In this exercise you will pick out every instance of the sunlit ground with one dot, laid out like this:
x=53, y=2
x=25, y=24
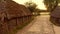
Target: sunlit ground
x=46, y=13
x=59, y=4
x=38, y=2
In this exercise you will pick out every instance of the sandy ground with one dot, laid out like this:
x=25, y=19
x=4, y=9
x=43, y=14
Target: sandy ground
x=40, y=25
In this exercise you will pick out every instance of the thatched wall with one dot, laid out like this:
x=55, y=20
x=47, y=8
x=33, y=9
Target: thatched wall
x=13, y=16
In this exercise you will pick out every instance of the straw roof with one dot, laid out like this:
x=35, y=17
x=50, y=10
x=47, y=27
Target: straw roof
x=11, y=9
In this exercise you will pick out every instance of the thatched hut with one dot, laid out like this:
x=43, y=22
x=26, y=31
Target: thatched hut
x=13, y=16
x=55, y=16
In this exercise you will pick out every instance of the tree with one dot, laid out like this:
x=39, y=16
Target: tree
x=50, y=4
x=58, y=1
x=31, y=6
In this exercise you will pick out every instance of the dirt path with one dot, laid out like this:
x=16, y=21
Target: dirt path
x=41, y=25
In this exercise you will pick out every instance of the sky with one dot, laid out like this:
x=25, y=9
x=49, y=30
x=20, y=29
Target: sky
x=39, y=3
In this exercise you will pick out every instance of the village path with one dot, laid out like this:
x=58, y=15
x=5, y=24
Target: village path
x=40, y=25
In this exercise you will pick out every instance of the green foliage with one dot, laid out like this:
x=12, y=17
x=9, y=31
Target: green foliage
x=59, y=1
x=50, y=4
x=31, y=6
